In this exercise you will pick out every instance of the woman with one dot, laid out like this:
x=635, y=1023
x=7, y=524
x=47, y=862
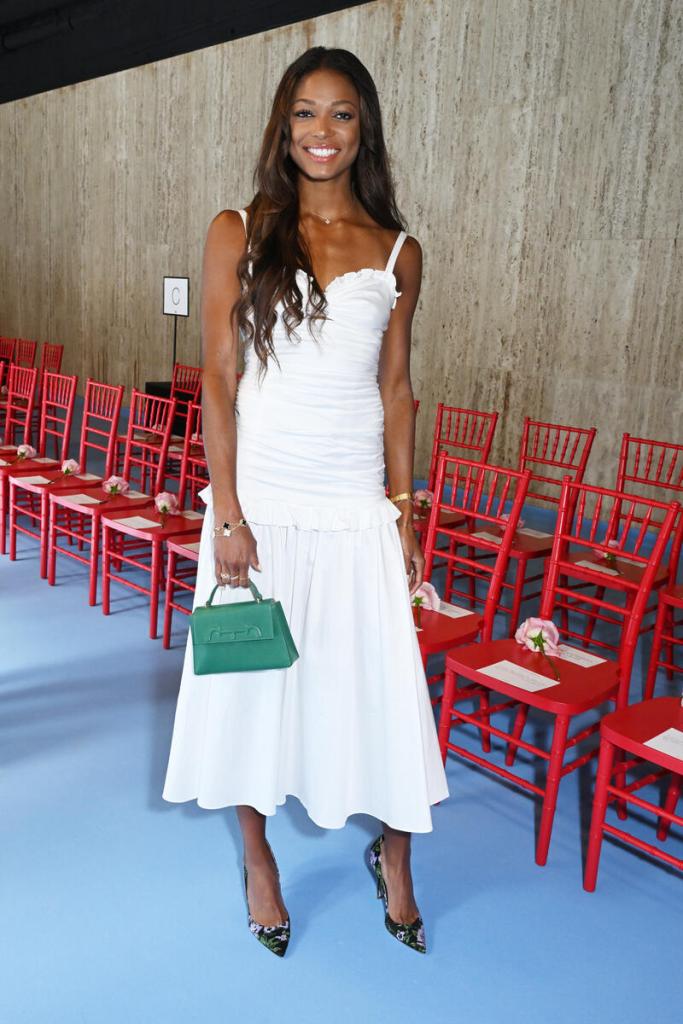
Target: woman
x=322, y=282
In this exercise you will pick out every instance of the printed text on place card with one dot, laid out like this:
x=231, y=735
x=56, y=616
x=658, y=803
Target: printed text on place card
x=598, y=567
x=138, y=522
x=84, y=499
x=526, y=531
x=453, y=610
x=577, y=657
x=508, y=672
x=668, y=742
x=485, y=535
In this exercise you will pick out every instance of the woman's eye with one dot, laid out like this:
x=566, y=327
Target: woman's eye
x=302, y=113
x=344, y=114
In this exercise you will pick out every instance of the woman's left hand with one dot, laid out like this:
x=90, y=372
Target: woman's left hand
x=412, y=553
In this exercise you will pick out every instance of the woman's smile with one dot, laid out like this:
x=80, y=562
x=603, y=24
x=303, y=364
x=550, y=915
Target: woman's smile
x=321, y=154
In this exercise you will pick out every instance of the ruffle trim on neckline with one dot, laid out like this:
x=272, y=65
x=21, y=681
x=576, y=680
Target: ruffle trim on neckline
x=335, y=518
x=352, y=275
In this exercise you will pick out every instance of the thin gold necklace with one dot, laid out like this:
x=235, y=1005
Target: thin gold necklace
x=325, y=220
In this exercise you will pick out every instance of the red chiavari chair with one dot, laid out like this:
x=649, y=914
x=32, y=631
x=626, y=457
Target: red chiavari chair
x=25, y=353
x=474, y=497
x=186, y=387
x=527, y=679
x=549, y=451
x=631, y=731
x=194, y=470
x=56, y=416
x=21, y=396
x=7, y=346
x=459, y=433
x=77, y=517
x=181, y=573
x=50, y=362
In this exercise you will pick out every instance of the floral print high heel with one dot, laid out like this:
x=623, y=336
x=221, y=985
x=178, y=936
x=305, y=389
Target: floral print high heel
x=274, y=937
x=412, y=935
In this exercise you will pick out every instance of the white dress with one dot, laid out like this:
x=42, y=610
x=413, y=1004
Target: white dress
x=349, y=727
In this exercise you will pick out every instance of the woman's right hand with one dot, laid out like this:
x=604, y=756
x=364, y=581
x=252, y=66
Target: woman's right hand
x=234, y=556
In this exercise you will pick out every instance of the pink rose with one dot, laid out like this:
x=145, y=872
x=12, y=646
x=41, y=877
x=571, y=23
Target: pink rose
x=26, y=451
x=427, y=596
x=70, y=466
x=538, y=635
x=166, y=502
x=423, y=498
x=607, y=555
x=506, y=518
x=115, y=485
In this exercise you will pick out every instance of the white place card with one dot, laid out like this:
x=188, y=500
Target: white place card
x=84, y=499
x=508, y=672
x=485, y=535
x=8, y=448
x=526, y=531
x=138, y=522
x=578, y=657
x=134, y=494
x=454, y=611
x=191, y=514
x=193, y=546
x=4, y=463
x=89, y=476
x=598, y=567
x=668, y=742
x=175, y=448
x=45, y=459
x=34, y=479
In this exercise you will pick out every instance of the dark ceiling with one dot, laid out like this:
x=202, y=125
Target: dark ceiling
x=44, y=45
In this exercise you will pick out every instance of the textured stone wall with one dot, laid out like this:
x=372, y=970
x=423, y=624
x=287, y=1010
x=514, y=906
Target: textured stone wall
x=537, y=154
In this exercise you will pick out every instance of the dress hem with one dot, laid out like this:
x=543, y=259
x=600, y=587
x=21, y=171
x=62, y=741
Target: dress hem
x=280, y=803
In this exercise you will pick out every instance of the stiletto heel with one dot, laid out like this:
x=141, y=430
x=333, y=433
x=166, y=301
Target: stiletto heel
x=274, y=937
x=411, y=935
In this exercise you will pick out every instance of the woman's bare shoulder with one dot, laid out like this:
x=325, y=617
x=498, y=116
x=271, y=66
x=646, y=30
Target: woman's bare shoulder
x=225, y=235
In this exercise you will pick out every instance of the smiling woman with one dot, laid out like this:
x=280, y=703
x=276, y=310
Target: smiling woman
x=297, y=459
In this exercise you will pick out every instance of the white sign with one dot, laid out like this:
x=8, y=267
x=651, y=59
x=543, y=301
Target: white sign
x=669, y=742
x=177, y=296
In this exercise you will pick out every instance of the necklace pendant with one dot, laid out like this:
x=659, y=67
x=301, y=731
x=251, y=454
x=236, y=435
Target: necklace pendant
x=326, y=219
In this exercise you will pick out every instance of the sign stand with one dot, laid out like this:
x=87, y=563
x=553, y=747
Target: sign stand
x=176, y=303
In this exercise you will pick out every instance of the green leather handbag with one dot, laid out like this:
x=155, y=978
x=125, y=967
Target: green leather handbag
x=247, y=636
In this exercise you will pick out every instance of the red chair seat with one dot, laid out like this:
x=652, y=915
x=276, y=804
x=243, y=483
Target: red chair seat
x=438, y=632
x=629, y=572
x=631, y=728
x=579, y=689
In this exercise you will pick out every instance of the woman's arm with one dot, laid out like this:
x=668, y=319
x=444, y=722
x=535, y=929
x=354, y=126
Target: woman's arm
x=398, y=402
x=220, y=344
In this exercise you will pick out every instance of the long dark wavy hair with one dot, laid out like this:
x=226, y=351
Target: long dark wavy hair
x=274, y=245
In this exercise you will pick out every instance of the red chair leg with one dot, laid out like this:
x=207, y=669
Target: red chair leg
x=486, y=718
x=669, y=620
x=656, y=648
x=44, y=501
x=106, y=568
x=12, y=523
x=517, y=730
x=552, y=784
x=51, y=545
x=449, y=682
x=598, y=817
x=94, y=558
x=170, y=594
x=3, y=514
x=155, y=579
x=673, y=793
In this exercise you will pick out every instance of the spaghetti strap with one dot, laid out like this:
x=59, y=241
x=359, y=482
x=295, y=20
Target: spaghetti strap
x=243, y=215
x=395, y=251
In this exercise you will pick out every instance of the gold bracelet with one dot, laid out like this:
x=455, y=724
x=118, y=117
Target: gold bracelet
x=227, y=529
x=406, y=496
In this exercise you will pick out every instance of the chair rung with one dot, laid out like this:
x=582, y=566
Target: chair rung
x=517, y=780
x=640, y=844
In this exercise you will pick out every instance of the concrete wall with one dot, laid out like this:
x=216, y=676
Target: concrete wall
x=537, y=153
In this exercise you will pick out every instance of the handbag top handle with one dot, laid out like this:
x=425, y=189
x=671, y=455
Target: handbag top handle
x=252, y=587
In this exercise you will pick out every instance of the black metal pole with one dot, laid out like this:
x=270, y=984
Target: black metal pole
x=175, y=333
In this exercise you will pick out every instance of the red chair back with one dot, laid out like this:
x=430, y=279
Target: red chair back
x=645, y=463
x=101, y=411
x=461, y=433
x=483, y=506
x=147, y=440
x=7, y=346
x=25, y=353
x=21, y=396
x=194, y=471
x=589, y=519
x=186, y=386
x=50, y=359
x=551, y=451
x=57, y=413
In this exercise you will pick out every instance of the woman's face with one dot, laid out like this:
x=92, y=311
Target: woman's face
x=324, y=122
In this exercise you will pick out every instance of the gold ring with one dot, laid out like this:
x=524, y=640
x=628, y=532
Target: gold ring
x=235, y=577
x=225, y=575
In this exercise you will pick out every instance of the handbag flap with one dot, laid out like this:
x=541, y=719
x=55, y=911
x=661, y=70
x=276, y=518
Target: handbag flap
x=233, y=623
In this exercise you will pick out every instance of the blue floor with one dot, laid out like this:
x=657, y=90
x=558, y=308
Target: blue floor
x=118, y=907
